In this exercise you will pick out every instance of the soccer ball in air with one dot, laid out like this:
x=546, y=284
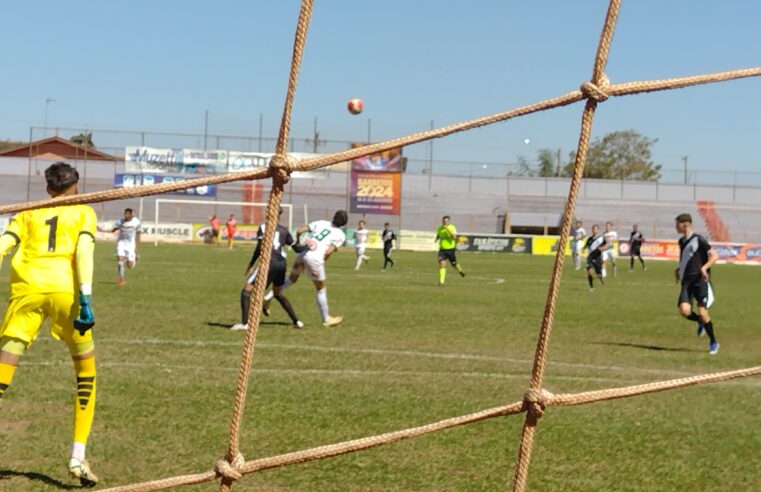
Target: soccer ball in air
x=355, y=105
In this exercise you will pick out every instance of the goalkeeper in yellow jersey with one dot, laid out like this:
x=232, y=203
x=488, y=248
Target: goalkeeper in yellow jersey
x=51, y=278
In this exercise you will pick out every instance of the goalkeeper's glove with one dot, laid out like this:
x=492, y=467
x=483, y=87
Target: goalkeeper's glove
x=86, y=319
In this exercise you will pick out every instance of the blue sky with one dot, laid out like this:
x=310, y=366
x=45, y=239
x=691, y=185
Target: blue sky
x=158, y=65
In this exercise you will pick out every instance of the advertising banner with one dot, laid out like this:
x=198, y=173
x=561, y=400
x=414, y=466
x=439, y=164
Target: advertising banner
x=389, y=161
x=138, y=179
x=247, y=161
x=499, y=243
x=376, y=193
x=179, y=161
x=373, y=239
x=730, y=252
x=169, y=232
x=243, y=232
x=547, y=245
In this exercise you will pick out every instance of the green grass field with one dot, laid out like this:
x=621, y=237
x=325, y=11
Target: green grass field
x=408, y=353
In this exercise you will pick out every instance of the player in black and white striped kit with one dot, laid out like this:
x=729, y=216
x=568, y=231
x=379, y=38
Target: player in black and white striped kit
x=595, y=246
x=275, y=276
x=635, y=244
x=388, y=237
x=694, y=274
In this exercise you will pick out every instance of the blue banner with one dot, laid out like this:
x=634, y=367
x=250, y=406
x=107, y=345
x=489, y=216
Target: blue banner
x=128, y=180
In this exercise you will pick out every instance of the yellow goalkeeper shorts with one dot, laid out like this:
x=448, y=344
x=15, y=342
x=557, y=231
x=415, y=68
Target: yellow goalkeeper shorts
x=25, y=315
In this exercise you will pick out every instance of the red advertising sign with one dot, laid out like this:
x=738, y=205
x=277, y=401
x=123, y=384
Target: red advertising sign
x=730, y=252
x=376, y=193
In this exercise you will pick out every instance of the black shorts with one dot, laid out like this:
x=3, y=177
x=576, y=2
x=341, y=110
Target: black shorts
x=595, y=263
x=276, y=274
x=448, y=255
x=699, y=290
x=387, y=249
x=635, y=250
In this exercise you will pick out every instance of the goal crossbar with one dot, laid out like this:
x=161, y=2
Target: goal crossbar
x=286, y=206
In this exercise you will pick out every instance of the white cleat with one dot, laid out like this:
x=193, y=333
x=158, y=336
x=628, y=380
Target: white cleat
x=298, y=324
x=332, y=321
x=239, y=327
x=81, y=470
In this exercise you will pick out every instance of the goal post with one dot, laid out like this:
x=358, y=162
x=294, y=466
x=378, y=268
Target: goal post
x=287, y=207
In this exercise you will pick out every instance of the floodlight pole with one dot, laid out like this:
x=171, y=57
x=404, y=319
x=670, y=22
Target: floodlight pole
x=685, y=168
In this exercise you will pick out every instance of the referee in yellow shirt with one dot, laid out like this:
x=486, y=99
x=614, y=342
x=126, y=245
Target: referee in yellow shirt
x=53, y=262
x=446, y=236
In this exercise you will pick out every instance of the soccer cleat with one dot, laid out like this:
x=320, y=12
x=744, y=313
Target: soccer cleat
x=121, y=281
x=462, y=274
x=714, y=348
x=332, y=321
x=298, y=324
x=239, y=327
x=81, y=470
x=266, y=307
x=701, y=328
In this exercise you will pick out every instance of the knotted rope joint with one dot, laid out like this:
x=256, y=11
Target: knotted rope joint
x=228, y=470
x=280, y=168
x=536, y=401
x=595, y=91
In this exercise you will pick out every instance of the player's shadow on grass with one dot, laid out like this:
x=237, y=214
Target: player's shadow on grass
x=643, y=346
x=227, y=326
x=37, y=477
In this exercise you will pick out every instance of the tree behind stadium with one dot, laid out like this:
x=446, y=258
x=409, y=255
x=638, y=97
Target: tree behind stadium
x=620, y=155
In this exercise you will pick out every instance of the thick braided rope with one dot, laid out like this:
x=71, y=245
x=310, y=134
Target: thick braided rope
x=594, y=92
x=542, y=398
x=612, y=90
x=280, y=170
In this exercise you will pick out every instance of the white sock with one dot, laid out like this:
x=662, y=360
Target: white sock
x=120, y=265
x=604, y=272
x=359, y=261
x=269, y=295
x=322, y=303
x=78, y=450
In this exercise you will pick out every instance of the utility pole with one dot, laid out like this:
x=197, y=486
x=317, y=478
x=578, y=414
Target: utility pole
x=685, y=168
x=205, y=127
x=316, y=136
x=558, y=174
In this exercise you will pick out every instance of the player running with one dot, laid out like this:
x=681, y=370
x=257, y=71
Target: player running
x=635, y=244
x=609, y=254
x=595, y=246
x=324, y=239
x=695, y=260
x=127, y=244
x=360, y=244
x=231, y=225
x=54, y=258
x=388, y=237
x=577, y=243
x=446, y=236
x=275, y=276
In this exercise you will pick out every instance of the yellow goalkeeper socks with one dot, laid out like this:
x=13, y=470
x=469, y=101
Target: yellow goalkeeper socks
x=442, y=275
x=84, y=404
x=6, y=376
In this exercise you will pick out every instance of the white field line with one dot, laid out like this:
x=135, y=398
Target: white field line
x=407, y=353
x=319, y=372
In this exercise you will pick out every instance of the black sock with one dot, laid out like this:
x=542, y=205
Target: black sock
x=591, y=281
x=602, y=282
x=709, y=331
x=287, y=306
x=642, y=261
x=245, y=305
x=631, y=263
x=693, y=317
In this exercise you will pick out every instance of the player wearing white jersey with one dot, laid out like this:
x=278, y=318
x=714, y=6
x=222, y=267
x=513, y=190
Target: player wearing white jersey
x=609, y=254
x=577, y=243
x=127, y=244
x=324, y=239
x=360, y=244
